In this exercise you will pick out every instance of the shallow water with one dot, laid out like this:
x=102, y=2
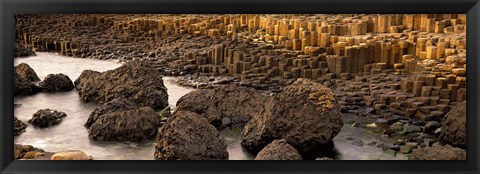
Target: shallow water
x=71, y=135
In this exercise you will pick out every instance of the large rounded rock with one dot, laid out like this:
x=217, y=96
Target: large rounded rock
x=84, y=76
x=23, y=86
x=136, y=81
x=454, y=127
x=438, y=152
x=25, y=71
x=71, y=155
x=129, y=125
x=305, y=114
x=46, y=117
x=278, y=150
x=223, y=105
x=18, y=126
x=56, y=83
x=189, y=136
x=112, y=106
x=20, y=50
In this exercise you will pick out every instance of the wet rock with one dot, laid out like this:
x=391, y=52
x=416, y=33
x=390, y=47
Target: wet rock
x=231, y=102
x=112, y=106
x=189, y=136
x=438, y=152
x=358, y=143
x=136, y=81
x=56, y=83
x=84, y=75
x=411, y=129
x=23, y=87
x=25, y=71
x=304, y=104
x=373, y=143
x=278, y=150
x=46, y=117
x=135, y=125
x=20, y=50
x=71, y=155
x=28, y=152
x=431, y=126
x=454, y=127
x=18, y=126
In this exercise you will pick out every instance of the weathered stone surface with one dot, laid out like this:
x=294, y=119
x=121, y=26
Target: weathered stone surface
x=23, y=86
x=135, y=81
x=56, y=83
x=46, y=117
x=128, y=125
x=28, y=152
x=85, y=75
x=25, y=71
x=189, y=136
x=454, y=127
x=112, y=106
x=71, y=155
x=305, y=114
x=18, y=126
x=231, y=104
x=438, y=152
x=278, y=150
x=21, y=50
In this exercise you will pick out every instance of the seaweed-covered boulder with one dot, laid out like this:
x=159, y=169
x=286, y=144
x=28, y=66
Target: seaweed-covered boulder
x=112, y=106
x=136, y=81
x=46, y=117
x=24, y=70
x=56, y=83
x=223, y=105
x=134, y=125
x=18, y=126
x=454, y=125
x=20, y=50
x=306, y=114
x=23, y=86
x=278, y=150
x=438, y=152
x=71, y=155
x=189, y=136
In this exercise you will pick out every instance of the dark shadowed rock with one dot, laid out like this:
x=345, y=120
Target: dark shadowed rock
x=25, y=71
x=21, y=50
x=112, y=106
x=18, y=126
x=231, y=104
x=46, y=117
x=136, y=81
x=189, y=136
x=438, y=152
x=454, y=127
x=305, y=114
x=23, y=87
x=278, y=150
x=86, y=74
x=129, y=125
x=56, y=83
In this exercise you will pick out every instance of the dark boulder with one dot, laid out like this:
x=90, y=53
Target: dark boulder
x=454, y=127
x=56, y=83
x=135, y=125
x=46, y=117
x=189, y=136
x=235, y=105
x=136, y=81
x=18, y=126
x=438, y=152
x=278, y=150
x=112, y=106
x=23, y=87
x=20, y=50
x=86, y=74
x=306, y=114
x=25, y=71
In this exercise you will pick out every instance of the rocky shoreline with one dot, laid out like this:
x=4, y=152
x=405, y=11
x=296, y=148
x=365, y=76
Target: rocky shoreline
x=408, y=71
